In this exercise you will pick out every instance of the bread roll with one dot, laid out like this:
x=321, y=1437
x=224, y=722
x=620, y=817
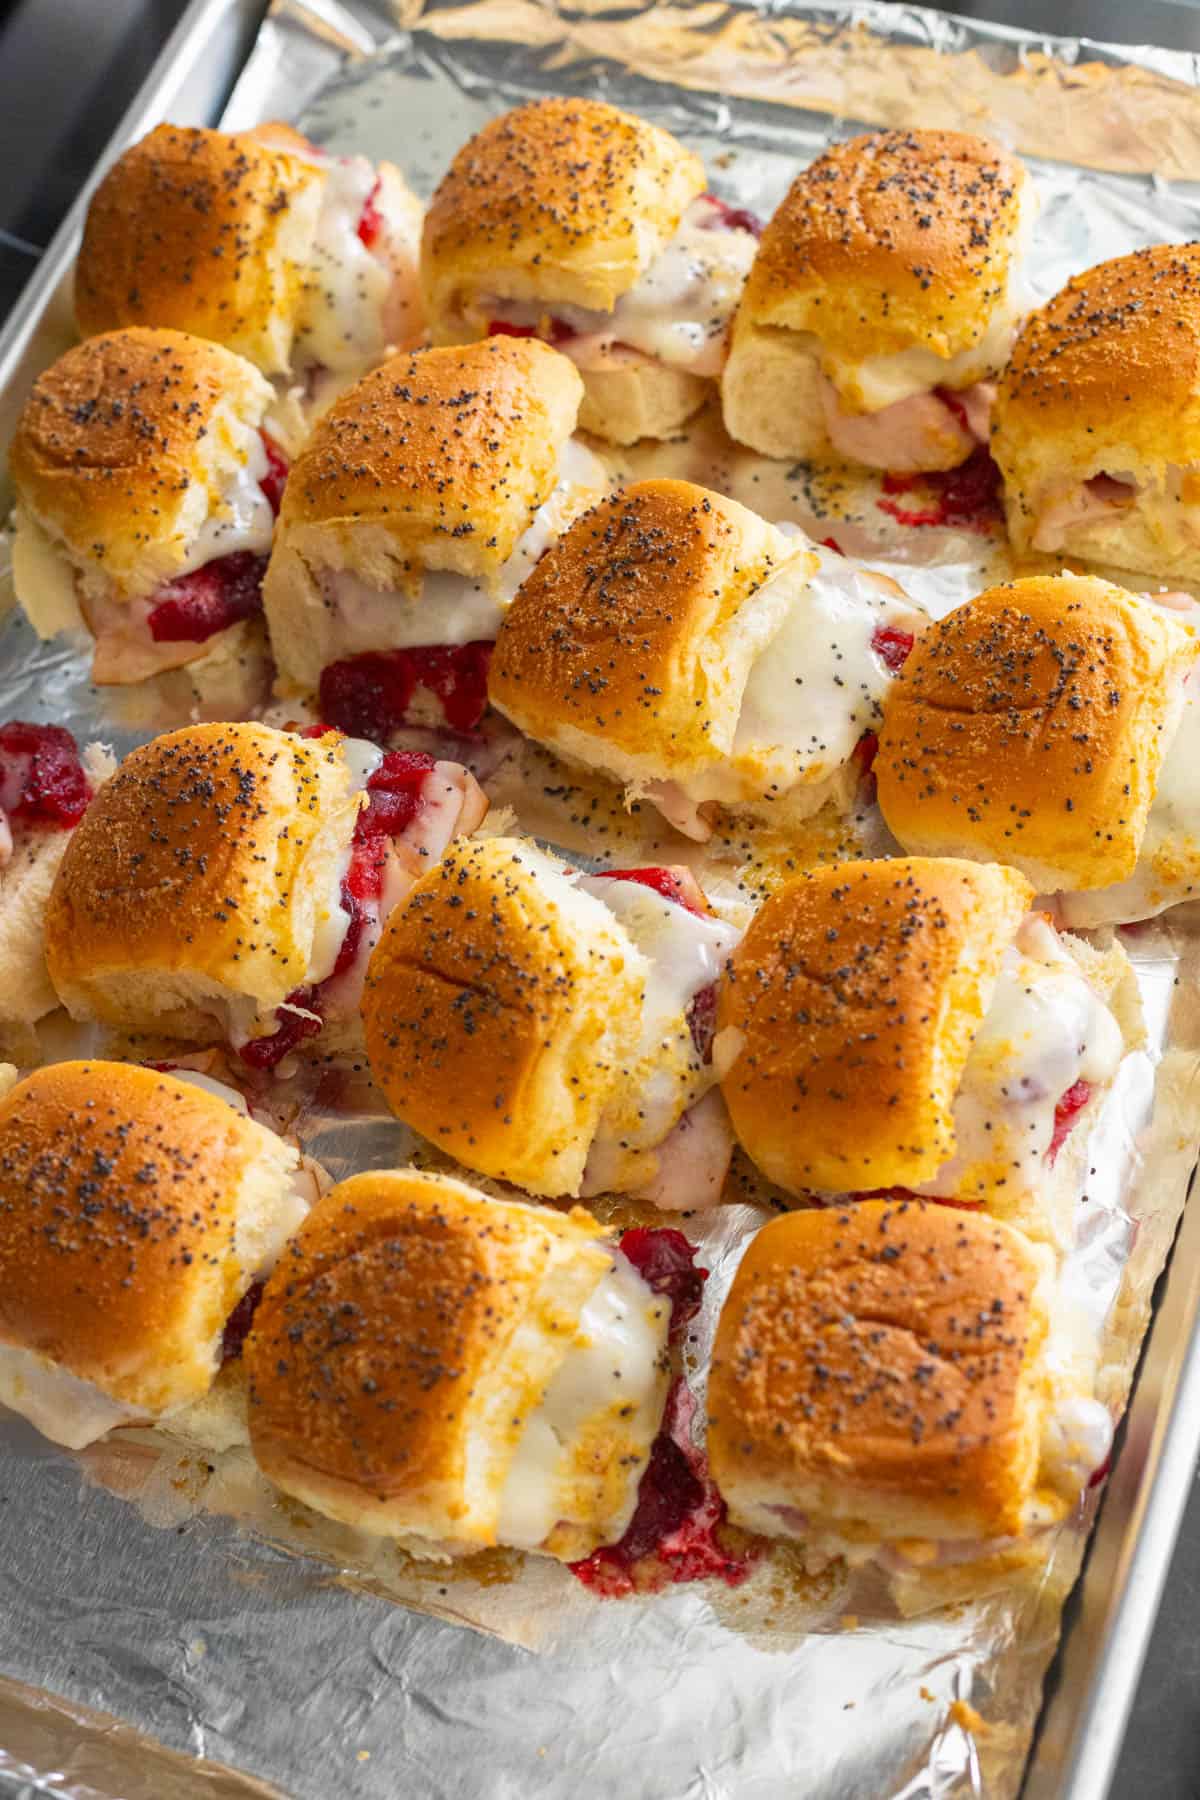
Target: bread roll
x=457, y=1372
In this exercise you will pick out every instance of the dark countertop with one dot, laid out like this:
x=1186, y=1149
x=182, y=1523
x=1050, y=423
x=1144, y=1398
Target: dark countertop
x=58, y=108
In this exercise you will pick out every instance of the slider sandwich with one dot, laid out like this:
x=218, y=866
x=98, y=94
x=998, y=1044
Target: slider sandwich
x=703, y=657
x=422, y=500
x=230, y=881
x=909, y=1024
x=883, y=300
x=46, y=787
x=1053, y=724
x=146, y=492
x=302, y=261
x=572, y=221
x=456, y=1372
x=1097, y=420
x=137, y=1210
x=900, y=1382
x=554, y=1029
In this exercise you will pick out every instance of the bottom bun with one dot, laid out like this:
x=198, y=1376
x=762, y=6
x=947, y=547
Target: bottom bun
x=639, y=399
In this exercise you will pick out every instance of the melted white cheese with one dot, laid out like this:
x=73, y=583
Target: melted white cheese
x=449, y=608
x=684, y=953
x=332, y=921
x=61, y=1406
x=347, y=286
x=678, y=311
x=1045, y=1030
x=612, y=1362
x=239, y=515
x=1076, y=1437
x=44, y=578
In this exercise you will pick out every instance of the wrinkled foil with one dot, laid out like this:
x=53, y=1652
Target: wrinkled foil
x=171, y=1588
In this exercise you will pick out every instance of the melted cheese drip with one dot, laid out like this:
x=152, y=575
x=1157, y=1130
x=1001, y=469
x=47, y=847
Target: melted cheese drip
x=678, y=311
x=1045, y=1030
x=61, y=1406
x=684, y=953
x=612, y=1364
x=240, y=515
x=458, y=609
x=347, y=287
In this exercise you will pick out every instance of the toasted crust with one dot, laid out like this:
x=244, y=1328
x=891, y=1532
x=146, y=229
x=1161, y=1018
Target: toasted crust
x=122, y=1248
x=388, y=1333
x=205, y=231
x=121, y=442
x=199, y=863
x=892, y=241
x=1030, y=725
x=561, y=199
x=628, y=644
x=449, y=452
x=876, y=1368
x=1104, y=378
x=499, y=1007
x=855, y=996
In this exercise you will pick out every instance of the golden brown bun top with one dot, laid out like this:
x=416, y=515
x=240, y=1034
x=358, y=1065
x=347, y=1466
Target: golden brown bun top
x=114, y=433
x=893, y=239
x=454, y=446
x=1116, y=356
x=189, y=229
x=885, y=1345
x=187, y=856
x=857, y=992
x=1029, y=725
x=567, y=199
x=611, y=633
x=396, y=1296
x=117, y=1190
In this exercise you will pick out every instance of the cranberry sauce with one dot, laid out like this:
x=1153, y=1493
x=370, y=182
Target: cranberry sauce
x=41, y=777
x=673, y=1535
x=369, y=696
x=666, y=1262
x=272, y=483
x=237, y=1325
x=968, y=496
x=1065, y=1115
x=734, y=218
x=370, y=219
x=195, y=607
x=560, y=332
x=892, y=646
x=394, y=799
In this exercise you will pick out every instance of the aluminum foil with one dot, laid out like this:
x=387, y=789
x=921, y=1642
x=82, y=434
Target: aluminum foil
x=169, y=1586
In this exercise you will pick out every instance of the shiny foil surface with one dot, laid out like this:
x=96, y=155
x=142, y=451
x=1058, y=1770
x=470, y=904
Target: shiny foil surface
x=168, y=1585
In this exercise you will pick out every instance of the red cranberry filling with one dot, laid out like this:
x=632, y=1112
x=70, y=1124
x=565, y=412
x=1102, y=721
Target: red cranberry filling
x=560, y=331
x=865, y=752
x=395, y=797
x=678, y=885
x=735, y=218
x=666, y=1262
x=830, y=543
x=892, y=646
x=968, y=496
x=1065, y=1115
x=277, y=473
x=41, y=776
x=370, y=219
x=237, y=1325
x=673, y=1534
x=369, y=696
x=196, y=606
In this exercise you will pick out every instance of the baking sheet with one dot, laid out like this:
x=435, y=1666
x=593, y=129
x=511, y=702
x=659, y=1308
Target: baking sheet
x=149, y=1601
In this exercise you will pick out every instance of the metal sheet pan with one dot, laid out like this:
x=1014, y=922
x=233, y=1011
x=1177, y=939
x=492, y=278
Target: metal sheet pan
x=194, y=1580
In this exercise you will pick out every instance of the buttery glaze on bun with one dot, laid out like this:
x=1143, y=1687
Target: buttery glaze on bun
x=419, y=1368
x=437, y=460
x=135, y=1210
x=1030, y=726
x=194, y=888
x=876, y=1377
x=851, y=1005
x=501, y=1005
x=1097, y=421
x=206, y=231
x=560, y=199
x=630, y=644
x=121, y=452
x=885, y=273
